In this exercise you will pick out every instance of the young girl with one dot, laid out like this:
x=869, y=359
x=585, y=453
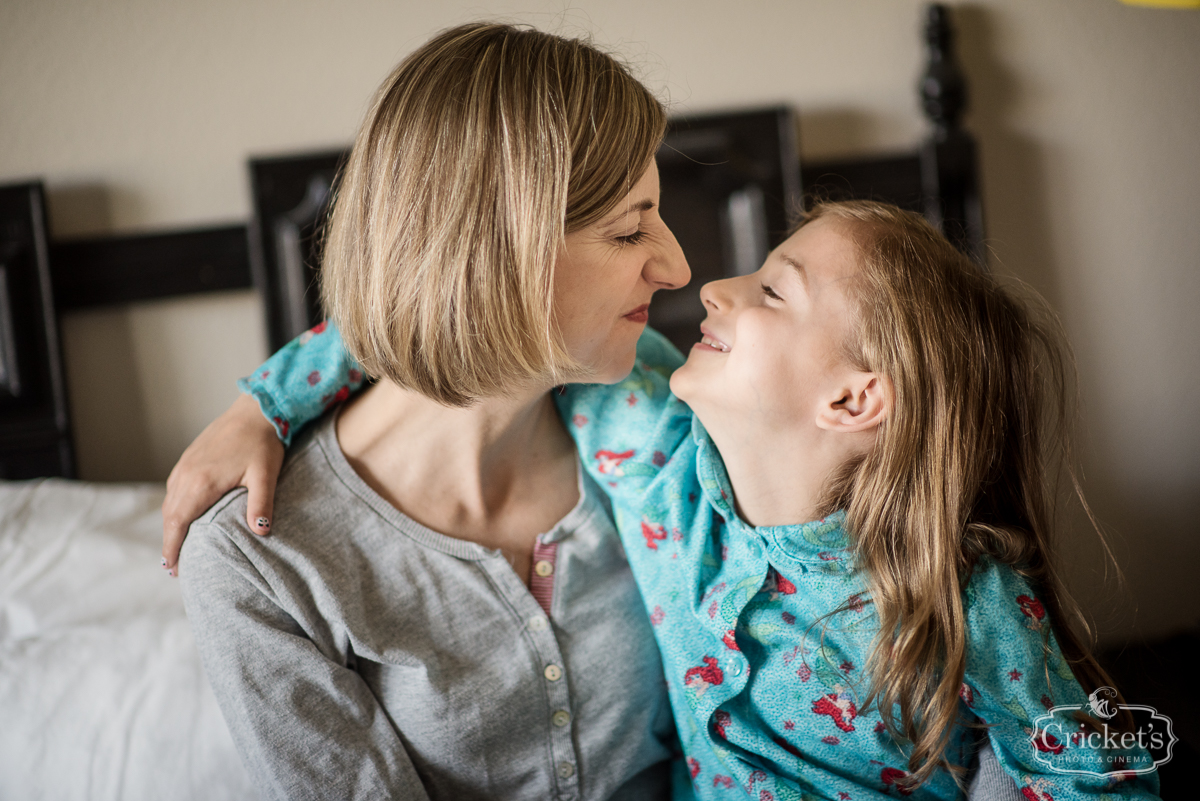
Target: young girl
x=838, y=514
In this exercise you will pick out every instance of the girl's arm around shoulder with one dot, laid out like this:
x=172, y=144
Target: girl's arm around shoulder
x=627, y=432
x=243, y=447
x=303, y=379
x=305, y=724
x=1020, y=684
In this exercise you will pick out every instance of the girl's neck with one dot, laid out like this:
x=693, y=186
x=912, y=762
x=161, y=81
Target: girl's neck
x=497, y=472
x=779, y=477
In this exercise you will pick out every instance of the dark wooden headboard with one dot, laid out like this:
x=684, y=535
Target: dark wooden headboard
x=730, y=184
x=35, y=430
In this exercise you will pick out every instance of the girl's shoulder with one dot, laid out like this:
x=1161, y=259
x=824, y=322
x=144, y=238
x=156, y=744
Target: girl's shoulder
x=999, y=592
x=656, y=353
x=634, y=408
x=627, y=432
x=1010, y=636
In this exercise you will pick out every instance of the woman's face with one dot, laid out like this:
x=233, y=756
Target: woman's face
x=606, y=275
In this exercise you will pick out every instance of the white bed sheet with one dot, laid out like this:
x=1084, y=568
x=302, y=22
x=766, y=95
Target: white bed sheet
x=101, y=691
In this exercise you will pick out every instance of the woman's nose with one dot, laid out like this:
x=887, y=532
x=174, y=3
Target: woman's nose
x=668, y=268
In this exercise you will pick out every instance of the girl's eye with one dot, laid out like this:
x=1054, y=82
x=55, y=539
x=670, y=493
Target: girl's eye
x=770, y=293
x=632, y=239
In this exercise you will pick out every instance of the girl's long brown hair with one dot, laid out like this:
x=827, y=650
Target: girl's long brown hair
x=966, y=464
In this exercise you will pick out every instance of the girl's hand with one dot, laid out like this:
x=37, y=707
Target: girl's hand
x=239, y=448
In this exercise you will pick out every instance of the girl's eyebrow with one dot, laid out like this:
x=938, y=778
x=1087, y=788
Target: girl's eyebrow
x=798, y=267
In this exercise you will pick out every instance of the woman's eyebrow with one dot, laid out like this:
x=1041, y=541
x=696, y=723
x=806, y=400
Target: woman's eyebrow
x=636, y=208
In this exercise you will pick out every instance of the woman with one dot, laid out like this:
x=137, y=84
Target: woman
x=496, y=233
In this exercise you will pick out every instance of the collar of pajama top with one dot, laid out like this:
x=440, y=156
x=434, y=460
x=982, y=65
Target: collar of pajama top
x=765, y=686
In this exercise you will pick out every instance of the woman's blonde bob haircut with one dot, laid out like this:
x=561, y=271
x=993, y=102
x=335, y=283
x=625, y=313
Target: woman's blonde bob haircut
x=480, y=152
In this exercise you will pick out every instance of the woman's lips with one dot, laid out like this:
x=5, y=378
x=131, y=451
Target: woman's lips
x=639, y=315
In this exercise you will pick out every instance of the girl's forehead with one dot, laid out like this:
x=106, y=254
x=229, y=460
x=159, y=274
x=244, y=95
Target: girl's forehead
x=823, y=248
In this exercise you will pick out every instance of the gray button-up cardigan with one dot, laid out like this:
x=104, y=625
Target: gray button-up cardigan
x=358, y=654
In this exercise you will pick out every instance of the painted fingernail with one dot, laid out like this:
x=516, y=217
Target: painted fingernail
x=263, y=523
x=171, y=573
x=164, y=561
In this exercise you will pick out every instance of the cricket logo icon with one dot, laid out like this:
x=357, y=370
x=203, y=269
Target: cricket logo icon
x=1098, y=703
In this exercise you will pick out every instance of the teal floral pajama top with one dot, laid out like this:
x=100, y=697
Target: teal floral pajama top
x=765, y=632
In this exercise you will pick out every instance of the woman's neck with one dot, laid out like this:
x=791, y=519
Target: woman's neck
x=497, y=472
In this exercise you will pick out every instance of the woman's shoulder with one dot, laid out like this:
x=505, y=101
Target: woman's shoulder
x=310, y=502
x=299, y=475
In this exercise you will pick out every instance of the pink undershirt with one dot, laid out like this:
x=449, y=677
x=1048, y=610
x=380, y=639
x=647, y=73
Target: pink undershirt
x=542, y=587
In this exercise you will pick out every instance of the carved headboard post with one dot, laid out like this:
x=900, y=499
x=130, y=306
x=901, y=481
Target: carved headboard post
x=948, y=157
x=291, y=202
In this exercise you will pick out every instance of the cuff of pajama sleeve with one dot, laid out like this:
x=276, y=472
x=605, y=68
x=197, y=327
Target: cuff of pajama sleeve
x=269, y=407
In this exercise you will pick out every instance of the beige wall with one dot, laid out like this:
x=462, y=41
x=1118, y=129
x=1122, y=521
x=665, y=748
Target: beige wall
x=140, y=114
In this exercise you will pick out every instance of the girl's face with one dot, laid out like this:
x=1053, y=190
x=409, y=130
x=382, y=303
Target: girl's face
x=606, y=275
x=772, y=346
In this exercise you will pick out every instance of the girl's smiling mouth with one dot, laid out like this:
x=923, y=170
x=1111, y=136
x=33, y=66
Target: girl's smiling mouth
x=710, y=342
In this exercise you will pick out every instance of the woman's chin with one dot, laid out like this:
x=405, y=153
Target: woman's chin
x=614, y=369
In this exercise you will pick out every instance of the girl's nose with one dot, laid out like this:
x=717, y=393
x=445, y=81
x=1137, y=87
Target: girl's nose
x=668, y=269
x=719, y=295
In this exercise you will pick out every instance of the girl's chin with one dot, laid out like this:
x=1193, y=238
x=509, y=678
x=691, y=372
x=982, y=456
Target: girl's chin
x=683, y=381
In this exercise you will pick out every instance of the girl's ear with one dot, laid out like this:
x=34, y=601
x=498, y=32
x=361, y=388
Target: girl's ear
x=861, y=404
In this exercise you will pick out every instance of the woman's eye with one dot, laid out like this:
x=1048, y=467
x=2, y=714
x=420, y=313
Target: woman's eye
x=770, y=293
x=632, y=239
